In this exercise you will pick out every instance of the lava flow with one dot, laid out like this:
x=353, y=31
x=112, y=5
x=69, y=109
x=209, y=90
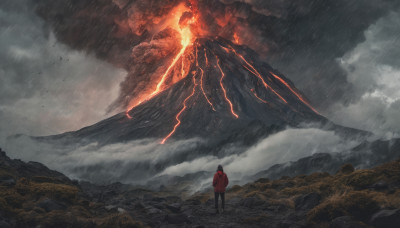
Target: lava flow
x=223, y=89
x=180, y=23
x=177, y=117
x=294, y=92
x=259, y=98
x=201, y=78
x=253, y=71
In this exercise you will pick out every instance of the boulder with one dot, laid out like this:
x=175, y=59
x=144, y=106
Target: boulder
x=175, y=207
x=6, y=180
x=252, y=202
x=346, y=169
x=347, y=222
x=4, y=224
x=177, y=219
x=50, y=205
x=307, y=202
x=386, y=219
x=381, y=185
x=262, y=180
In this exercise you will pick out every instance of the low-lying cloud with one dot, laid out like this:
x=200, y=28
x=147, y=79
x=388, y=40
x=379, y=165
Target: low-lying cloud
x=287, y=145
x=139, y=161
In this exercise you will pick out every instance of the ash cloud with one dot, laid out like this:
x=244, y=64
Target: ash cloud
x=45, y=86
x=374, y=69
x=301, y=38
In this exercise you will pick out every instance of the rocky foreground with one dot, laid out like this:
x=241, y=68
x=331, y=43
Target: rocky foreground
x=31, y=195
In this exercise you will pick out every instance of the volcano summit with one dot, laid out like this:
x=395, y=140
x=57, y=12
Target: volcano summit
x=226, y=89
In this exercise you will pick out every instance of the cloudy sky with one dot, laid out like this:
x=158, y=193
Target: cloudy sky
x=344, y=55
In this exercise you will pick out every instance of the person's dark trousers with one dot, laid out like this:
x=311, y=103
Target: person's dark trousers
x=216, y=196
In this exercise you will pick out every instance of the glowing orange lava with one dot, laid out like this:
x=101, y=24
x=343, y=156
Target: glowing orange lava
x=223, y=89
x=254, y=71
x=201, y=85
x=183, y=67
x=180, y=112
x=205, y=56
x=236, y=38
x=187, y=38
x=201, y=81
x=294, y=92
x=255, y=94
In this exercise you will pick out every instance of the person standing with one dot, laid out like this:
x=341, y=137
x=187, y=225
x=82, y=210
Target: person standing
x=220, y=182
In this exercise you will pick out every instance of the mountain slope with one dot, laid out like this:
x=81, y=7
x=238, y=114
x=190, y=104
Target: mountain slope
x=227, y=89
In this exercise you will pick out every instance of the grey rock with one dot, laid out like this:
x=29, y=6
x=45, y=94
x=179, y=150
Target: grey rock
x=175, y=207
x=252, y=202
x=4, y=224
x=386, y=219
x=381, y=185
x=177, y=219
x=307, y=202
x=153, y=210
x=7, y=181
x=347, y=222
x=51, y=205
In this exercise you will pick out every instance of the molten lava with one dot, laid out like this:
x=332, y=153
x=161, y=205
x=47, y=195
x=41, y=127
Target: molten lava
x=205, y=56
x=255, y=94
x=201, y=79
x=177, y=117
x=293, y=91
x=223, y=89
x=236, y=38
x=254, y=71
x=181, y=22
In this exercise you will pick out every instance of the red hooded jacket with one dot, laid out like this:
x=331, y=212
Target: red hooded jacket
x=220, y=181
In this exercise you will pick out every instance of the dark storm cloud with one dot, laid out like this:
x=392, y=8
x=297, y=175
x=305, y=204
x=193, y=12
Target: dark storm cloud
x=45, y=87
x=374, y=69
x=302, y=38
x=306, y=40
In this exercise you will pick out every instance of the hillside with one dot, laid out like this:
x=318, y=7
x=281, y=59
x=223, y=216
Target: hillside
x=33, y=195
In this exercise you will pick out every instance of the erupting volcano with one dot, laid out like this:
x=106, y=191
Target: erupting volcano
x=210, y=86
x=204, y=86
